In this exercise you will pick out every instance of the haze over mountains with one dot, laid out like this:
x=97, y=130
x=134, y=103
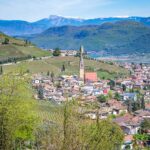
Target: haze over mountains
x=114, y=35
x=18, y=27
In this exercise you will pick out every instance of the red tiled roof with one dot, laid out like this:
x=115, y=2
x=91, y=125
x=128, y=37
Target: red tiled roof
x=91, y=76
x=147, y=106
x=116, y=104
x=128, y=119
x=128, y=138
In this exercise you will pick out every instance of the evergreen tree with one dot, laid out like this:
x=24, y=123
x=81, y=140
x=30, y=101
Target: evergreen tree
x=52, y=76
x=129, y=105
x=63, y=68
x=112, y=84
x=1, y=70
x=48, y=73
x=40, y=93
x=124, y=87
x=142, y=103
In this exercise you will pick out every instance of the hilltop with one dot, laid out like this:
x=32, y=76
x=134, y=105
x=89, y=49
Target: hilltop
x=122, y=37
x=18, y=48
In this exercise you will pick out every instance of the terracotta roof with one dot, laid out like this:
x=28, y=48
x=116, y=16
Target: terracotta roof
x=142, y=113
x=147, y=106
x=91, y=76
x=128, y=119
x=128, y=138
x=116, y=104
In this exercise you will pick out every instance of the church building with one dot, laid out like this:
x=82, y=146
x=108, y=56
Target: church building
x=86, y=76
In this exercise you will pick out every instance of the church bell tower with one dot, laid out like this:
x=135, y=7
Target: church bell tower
x=81, y=63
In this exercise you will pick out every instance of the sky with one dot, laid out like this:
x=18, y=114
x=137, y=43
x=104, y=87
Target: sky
x=32, y=10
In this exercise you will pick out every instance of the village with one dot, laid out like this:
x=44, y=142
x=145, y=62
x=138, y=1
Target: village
x=125, y=100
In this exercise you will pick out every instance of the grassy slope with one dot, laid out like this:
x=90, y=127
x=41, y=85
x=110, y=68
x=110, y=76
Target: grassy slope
x=17, y=48
x=71, y=65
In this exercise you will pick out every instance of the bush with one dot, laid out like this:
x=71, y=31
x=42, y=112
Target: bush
x=102, y=98
x=57, y=52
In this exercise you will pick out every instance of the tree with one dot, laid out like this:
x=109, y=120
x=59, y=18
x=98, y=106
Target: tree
x=63, y=68
x=102, y=98
x=52, y=76
x=145, y=125
x=142, y=103
x=141, y=65
x=124, y=87
x=56, y=52
x=110, y=94
x=112, y=84
x=6, y=41
x=40, y=92
x=104, y=135
x=1, y=70
x=74, y=133
x=136, y=105
x=17, y=116
x=117, y=96
x=48, y=73
x=129, y=105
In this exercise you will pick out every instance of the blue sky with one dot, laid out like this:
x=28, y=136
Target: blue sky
x=32, y=10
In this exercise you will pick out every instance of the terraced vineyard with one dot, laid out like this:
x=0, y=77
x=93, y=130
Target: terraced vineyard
x=71, y=64
x=18, y=48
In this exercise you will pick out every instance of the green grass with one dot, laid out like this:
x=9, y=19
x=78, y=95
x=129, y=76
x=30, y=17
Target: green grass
x=18, y=51
x=106, y=75
x=54, y=64
x=18, y=48
x=49, y=112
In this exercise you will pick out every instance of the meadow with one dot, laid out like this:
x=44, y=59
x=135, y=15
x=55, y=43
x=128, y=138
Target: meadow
x=54, y=64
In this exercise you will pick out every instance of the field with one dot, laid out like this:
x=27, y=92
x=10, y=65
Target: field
x=49, y=112
x=20, y=51
x=54, y=64
x=18, y=48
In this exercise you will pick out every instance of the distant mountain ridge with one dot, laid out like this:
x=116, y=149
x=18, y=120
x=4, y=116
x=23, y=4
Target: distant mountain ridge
x=121, y=37
x=18, y=27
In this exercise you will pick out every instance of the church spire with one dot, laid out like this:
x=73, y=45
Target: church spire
x=81, y=63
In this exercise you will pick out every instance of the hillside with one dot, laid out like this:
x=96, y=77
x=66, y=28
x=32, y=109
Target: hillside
x=19, y=27
x=122, y=37
x=54, y=64
x=18, y=48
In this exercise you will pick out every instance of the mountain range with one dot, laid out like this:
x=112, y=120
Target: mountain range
x=18, y=27
x=114, y=35
x=121, y=37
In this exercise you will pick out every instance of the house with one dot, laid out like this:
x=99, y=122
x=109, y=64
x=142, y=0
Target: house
x=68, y=53
x=129, y=96
x=147, y=106
x=117, y=107
x=142, y=113
x=92, y=115
x=129, y=124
